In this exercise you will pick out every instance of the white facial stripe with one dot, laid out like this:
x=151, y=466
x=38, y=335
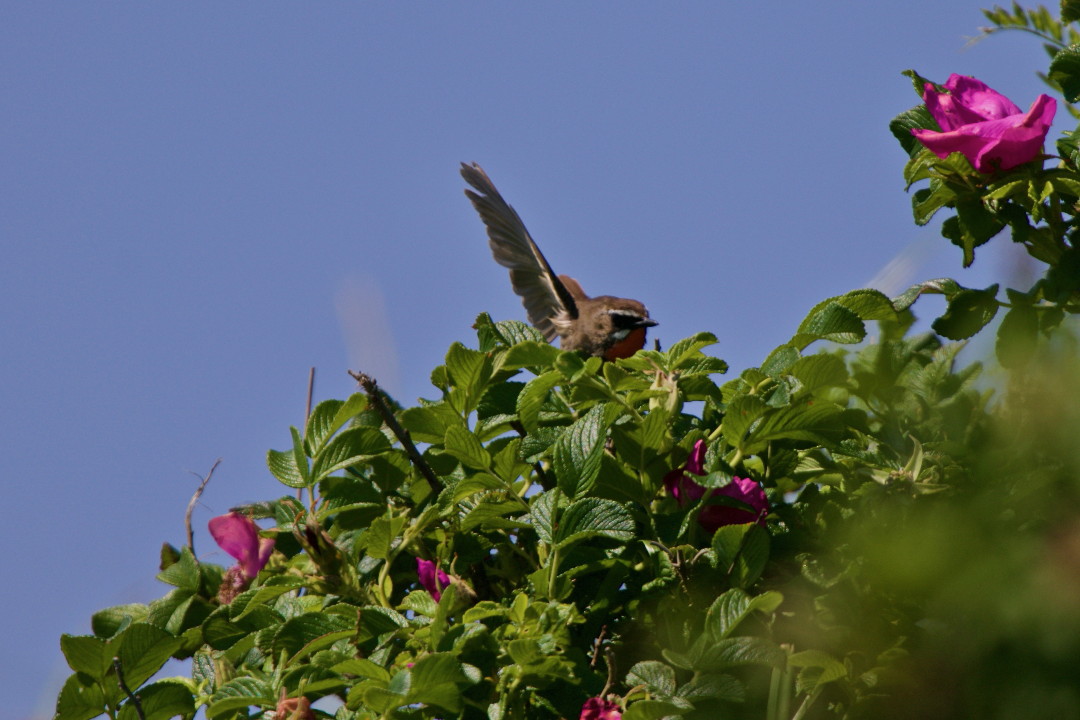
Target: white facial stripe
x=620, y=334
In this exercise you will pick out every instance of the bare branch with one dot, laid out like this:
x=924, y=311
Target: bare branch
x=193, y=501
x=375, y=395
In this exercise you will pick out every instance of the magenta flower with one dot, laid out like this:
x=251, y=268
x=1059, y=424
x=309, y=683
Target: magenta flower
x=681, y=486
x=984, y=125
x=238, y=535
x=432, y=581
x=600, y=709
x=744, y=489
x=685, y=490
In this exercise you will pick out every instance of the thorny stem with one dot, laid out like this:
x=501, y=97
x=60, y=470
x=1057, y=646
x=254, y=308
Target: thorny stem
x=192, y=502
x=372, y=389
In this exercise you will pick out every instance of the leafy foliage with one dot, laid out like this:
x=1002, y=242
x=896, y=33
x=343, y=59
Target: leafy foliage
x=918, y=558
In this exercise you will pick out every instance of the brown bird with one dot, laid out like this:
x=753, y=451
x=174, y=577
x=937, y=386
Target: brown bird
x=607, y=326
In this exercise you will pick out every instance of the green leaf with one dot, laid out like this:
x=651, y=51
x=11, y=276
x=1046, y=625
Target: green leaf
x=239, y=694
x=968, y=312
x=161, y=700
x=469, y=371
x=143, y=650
x=348, y=448
x=541, y=515
x=87, y=654
x=109, y=622
x=328, y=417
x=529, y=354
x=656, y=709
x=428, y=423
x=1070, y=10
x=533, y=396
x=657, y=676
x=902, y=125
x=1017, y=335
x=713, y=685
x=1065, y=71
x=830, y=321
x=594, y=517
x=733, y=651
x=438, y=679
x=742, y=551
x=80, y=699
x=940, y=286
x=466, y=447
x=295, y=633
x=812, y=421
x=363, y=667
x=290, y=467
x=687, y=351
x=184, y=573
x=577, y=454
x=820, y=371
x=734, y=606
x=780, y=361
x=741, y=413
x=828, y=667
x=926, y=202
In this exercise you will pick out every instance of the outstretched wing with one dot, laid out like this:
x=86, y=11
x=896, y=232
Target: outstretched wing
x=542, y=293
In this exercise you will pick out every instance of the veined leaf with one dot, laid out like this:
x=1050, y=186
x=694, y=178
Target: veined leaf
x=734, y=606
x=466, y=447
x=143, y=650
x=576, y=458
x=594, y=517
x=348, y=448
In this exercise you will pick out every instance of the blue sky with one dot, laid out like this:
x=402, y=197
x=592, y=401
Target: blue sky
x=199, y=201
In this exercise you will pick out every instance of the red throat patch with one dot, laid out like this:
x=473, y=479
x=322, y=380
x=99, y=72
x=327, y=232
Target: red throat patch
x=627, y=346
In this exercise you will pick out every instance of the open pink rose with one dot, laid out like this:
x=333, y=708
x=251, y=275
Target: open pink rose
x=600, y=709
x=743, y=489
x=238, y=535
x=984, y=125
x=432, y=580
x=685, y=490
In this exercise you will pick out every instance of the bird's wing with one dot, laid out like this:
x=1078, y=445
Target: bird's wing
x=542, y=293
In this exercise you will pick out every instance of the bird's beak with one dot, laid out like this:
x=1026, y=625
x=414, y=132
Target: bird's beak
x=646, y=322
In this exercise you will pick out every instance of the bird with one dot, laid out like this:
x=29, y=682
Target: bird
x=605, y=326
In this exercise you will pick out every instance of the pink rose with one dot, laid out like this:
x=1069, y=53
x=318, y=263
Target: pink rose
x=431, y=580
x=984, y=125
x=238, y=535
x=685, y=490
x=744, y=489
x=599, y=709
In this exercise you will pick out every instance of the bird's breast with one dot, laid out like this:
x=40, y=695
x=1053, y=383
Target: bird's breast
x=627, y=346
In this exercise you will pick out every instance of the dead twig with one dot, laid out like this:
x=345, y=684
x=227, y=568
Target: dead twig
x=375, y=396
x=193, y=501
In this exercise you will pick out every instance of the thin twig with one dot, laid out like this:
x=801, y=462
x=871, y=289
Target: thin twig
x=310, y=392
x=375, y=395
x=193, y=501
x=127, y=691
x=596, y=646
x=307, y=416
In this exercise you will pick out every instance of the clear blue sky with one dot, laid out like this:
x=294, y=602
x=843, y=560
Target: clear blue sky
x=199, y=201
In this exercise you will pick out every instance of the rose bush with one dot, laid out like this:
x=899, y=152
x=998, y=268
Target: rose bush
x=900, y=544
